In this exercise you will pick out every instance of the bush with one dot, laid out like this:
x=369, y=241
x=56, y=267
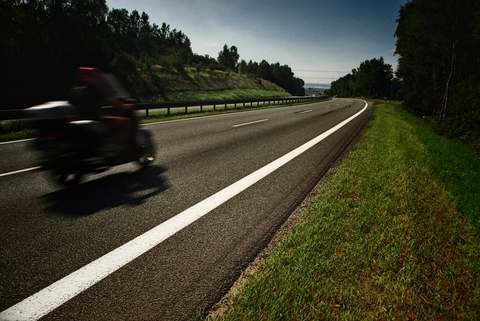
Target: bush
x=463, y=128
x=14, y=126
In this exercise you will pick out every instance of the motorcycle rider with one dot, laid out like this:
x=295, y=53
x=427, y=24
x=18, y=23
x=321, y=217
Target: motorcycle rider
x=95, y=90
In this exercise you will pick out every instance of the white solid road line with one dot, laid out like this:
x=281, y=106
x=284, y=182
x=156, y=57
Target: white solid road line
x=19, y=171
x=53, y=296
x=17, y=141
x=250, y=123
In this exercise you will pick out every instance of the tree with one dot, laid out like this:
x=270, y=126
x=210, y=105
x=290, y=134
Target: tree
x=44, y=41
x=242, y=67
x=372, y=79
x=41, y=43
x=263, y=70
x=203, y=62
x=438, y=55
x=228, y=58
x=276, y=73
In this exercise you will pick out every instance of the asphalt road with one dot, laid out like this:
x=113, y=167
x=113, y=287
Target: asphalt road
x=67, y=254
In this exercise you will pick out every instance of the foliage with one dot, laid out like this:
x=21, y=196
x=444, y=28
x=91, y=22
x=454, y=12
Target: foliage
x=16, y=129
x=439, y=65
x=373, y=79
x=281, y=75
x=463, y=128
x=40, y=40
x=438, y=43
x=44, y=41
x=228, y=58
x=203, y=62
x=12, y=126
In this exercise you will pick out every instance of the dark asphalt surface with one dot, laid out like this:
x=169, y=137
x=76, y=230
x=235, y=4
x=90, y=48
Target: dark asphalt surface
x=48, y=232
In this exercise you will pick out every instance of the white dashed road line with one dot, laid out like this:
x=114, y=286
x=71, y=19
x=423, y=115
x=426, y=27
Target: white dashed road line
x=251, y=123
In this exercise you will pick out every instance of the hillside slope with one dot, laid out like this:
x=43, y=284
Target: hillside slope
x=210, y=84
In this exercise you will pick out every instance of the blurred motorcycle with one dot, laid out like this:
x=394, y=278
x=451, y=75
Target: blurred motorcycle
x=71, y=147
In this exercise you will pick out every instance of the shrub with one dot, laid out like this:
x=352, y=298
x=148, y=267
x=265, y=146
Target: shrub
x=14, y=126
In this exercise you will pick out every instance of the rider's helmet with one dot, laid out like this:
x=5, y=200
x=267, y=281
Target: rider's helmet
x=88, y=75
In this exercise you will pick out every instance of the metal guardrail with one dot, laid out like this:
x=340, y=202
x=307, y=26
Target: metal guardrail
x=10, y=114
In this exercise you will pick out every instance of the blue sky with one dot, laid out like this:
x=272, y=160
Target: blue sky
x=320, y=40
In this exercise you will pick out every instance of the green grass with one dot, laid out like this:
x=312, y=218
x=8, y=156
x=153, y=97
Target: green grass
x=193, y=85
x=224, y=94
x=16, y=129
x=458, y=168
x=392, y=236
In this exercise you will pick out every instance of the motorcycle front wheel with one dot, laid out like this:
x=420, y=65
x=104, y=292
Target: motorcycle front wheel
x=147, y=150
x=67, y=178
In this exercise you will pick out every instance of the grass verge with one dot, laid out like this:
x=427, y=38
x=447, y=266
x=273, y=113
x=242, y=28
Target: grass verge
x=16, y=129
x=389, y=237
x=224, y=94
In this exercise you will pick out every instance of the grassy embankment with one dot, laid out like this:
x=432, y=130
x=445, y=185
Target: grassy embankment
x=393, y=235
x=209, y=85
x=212, y=84
x=191, y=85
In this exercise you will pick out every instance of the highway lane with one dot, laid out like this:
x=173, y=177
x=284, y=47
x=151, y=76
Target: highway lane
x=48, y=233
x=16, y=156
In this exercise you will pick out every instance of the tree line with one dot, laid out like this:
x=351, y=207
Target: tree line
x=438, y=44
x=374, y=78
x=282, y=75
x=42, y=42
